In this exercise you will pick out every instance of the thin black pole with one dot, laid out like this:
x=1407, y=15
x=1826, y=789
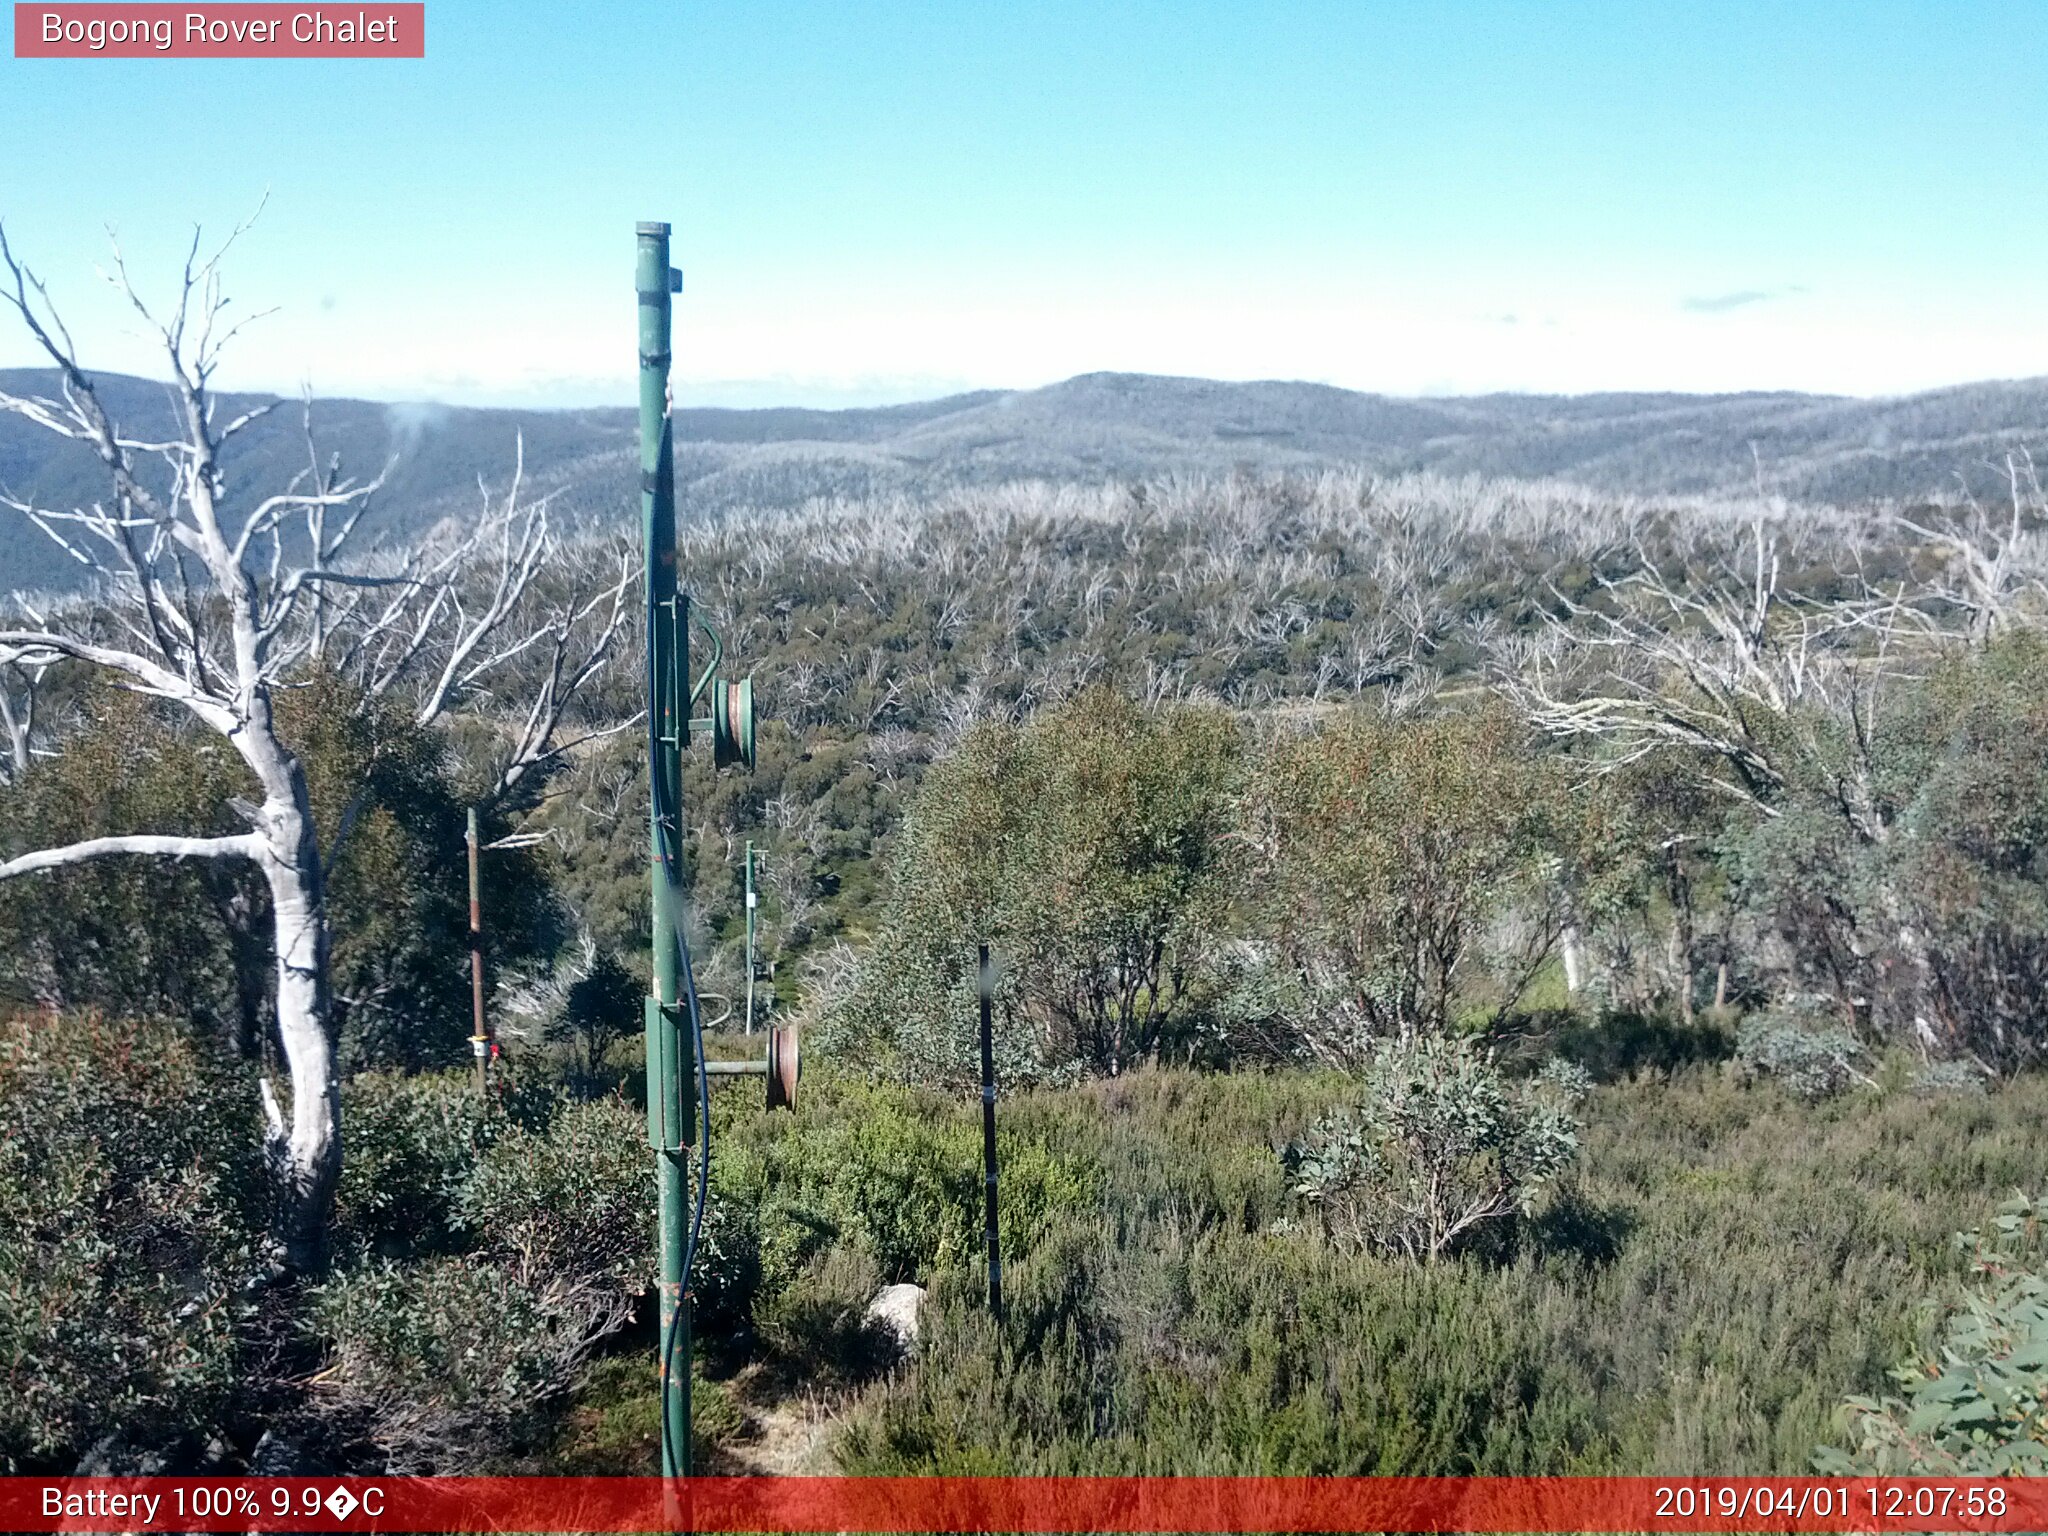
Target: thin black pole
x=479, y=1034
x=988, y=1133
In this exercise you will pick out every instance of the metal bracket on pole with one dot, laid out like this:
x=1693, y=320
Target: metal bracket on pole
x=711, y=666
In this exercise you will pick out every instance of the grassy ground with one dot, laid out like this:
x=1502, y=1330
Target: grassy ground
x=1724, y=1267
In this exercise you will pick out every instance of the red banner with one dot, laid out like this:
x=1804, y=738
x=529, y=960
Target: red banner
x=372, y=30
x=962, y=1504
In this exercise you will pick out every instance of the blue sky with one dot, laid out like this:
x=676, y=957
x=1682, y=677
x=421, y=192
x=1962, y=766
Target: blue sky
x=879, y=200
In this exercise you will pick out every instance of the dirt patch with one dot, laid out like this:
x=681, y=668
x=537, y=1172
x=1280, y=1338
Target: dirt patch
x=782, y=1433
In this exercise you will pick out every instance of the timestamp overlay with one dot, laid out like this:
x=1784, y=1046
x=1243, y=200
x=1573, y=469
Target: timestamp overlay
x=1120, y=1504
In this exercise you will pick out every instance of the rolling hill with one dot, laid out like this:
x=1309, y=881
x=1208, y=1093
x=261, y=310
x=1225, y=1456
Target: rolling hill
x=1092, y=428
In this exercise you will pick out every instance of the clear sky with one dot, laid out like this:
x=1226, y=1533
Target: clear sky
x=884, y=200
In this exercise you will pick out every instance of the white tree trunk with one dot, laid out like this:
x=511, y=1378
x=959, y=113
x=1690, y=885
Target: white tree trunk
x=305, y=1151
x=306, y=1154
x=17, y=743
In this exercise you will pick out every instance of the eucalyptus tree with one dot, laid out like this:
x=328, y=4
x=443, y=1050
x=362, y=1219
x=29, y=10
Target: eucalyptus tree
x=1088, y=846
x=1404, y=870
x=215, y=601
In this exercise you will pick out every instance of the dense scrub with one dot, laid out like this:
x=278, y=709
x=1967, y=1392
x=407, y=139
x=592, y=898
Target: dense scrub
x=880, y=631
x=130, y=1194
x=1724, y=1266
x=526, y=1242
x=1308, y=840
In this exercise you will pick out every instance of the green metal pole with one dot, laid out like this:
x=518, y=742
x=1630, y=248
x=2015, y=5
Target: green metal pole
x=750, y=937
x=670, y=1070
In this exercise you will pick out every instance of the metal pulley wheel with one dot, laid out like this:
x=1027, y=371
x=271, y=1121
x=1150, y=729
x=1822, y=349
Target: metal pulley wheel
x=732, y=722
x=784, y=1066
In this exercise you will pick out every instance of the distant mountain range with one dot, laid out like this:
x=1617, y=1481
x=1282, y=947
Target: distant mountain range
x=1093, y=428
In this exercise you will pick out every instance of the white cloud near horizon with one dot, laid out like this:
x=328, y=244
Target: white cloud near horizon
x=756, y=348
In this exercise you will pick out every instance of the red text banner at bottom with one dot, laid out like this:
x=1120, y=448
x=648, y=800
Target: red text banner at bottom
x=961, y=1504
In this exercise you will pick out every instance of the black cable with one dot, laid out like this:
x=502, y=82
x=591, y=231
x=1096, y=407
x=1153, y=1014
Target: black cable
x=703, y=1107
x=668, y=841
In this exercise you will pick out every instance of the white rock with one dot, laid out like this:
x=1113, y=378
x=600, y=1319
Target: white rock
x=894, y=1311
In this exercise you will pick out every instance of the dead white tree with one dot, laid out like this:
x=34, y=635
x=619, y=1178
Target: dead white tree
x=1759, y=688
x=1713, y=662
x=20, y=685
x=477, y=602
x=216, y=613
x=1994, y=563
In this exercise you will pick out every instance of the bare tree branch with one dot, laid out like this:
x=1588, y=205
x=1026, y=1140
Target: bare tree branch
x=245, y=845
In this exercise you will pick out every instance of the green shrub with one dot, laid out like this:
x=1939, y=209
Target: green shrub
x=413, y=1140
x=819, y=1323
x=1812, y=1061
x=452, y=1361
x=614, y=1430
x=455, y=1359
x=1439, y=1142
x=572, y=1201
x=574, y=1205
x=1978, y=1404
x=892, y=1172
x=131, y=938
x=726, y=1275
x=1223, y=1352
x=1961, y=1077
x=130, y=1203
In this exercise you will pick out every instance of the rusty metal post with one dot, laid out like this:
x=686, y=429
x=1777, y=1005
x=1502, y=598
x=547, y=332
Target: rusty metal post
x=479, y=1034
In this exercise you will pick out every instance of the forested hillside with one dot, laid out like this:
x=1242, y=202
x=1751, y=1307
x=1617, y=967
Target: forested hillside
x=1684, y=854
